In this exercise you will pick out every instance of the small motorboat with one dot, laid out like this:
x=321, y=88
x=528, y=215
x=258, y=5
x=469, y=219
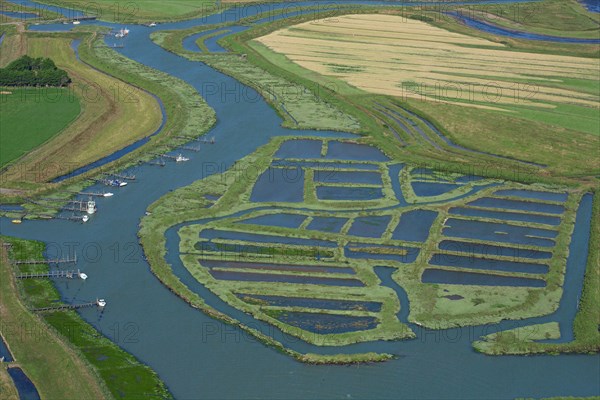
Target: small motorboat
x=181, y=158
x=85, y=218
x=16, y=221
x=152, y=24
x=109, y=194
x=101, y=302
x=82, y=276
x=76, y=22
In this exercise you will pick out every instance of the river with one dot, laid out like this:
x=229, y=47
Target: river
x=198, y=357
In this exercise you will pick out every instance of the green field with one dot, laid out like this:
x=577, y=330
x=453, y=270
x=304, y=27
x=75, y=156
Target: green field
x=29, y=117
x=141, y=10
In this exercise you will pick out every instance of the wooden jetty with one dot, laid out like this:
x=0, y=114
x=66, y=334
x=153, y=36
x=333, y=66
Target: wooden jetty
x=160, y=163
x=124, y=177
x=91, y=194
x=55, y=261
x=84, y=18
x=212, y=140
x=66, y=307
x=52, y=274
x=170, y=157
x=196, y=149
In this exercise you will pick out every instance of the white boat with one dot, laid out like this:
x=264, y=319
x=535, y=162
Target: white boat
x=152, y=25
x=91, y=207
x=85, y=218
x=101, y=302
x=181, y=158
x=109, y=194
x=76, y=22
x=122, y=183
x=82, y=276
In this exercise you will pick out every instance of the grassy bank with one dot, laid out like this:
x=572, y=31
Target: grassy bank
x=87, y=353
x=113, y=115
x=36, y=347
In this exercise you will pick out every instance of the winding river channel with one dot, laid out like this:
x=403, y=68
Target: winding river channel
x=199, y=357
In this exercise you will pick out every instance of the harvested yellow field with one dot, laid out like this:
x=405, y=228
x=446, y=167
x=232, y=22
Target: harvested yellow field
x=395, y=56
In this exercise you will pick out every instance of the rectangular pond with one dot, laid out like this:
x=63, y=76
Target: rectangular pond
x=327, y=323
x=323, y=304
x=373, y=226
x=336, y=176
x=492, y=202
x=300, y=148
x=534, y=194
x=338, y=150
x=283, y=278
x=453, y=260
x=492, y=250
x=414, y=225
x=426, y=189
x=276, y=267
x=499, y=232
x=348, y=193
x=279, y=184
x=471, y=278
x=283, y=220
x=327, y=224
x=505, y=215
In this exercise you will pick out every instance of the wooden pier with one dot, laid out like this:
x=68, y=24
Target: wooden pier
x=124, y=177
x=55, y=261
x=191, y=148
x=91, y=194
x=51, y=274
x=66, y=307
x=160, y=163
x=84, y=18
x=170, y=157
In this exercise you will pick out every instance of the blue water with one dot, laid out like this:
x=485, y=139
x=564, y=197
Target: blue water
x=534, y=194
x=327, y=323
x=25, y=387
x=452, y=260
x=279, y=184
x=353, y=151
x=302, y=148
x=425, y=189
x=323, y=304
x=323, y=165
x=327, y=224
x=302, y=279
x=592, y=5
x=275, y=267
x=497, y=30
x=282, y=220
x=348, y=193
x=414, y=225
x=234, y=363
x=431, y=275
x=504, y=215
x=496, y=232
x=19, y=15
x=517, y=205
x=517, y=253
x=371, y=226
x=335, y=176
x=4, y=352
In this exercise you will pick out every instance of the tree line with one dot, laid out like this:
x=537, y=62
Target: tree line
x=28, y=71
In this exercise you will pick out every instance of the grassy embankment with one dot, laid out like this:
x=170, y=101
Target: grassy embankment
x=556, y=100
x=39, y=349
x=42, y=342
x=113, y=115
x=568, y=18
x=21, y=124
x=187, y=113
x=188, y=203
x=587, y=320
x=491, y=306
x=142, y=11
x=360, y=105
